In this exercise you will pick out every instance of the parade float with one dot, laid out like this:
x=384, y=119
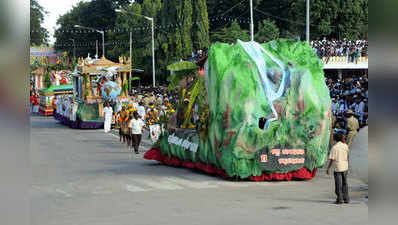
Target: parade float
x=257, y=112
x=47, y=96
x=94, y=82
x=50, y=78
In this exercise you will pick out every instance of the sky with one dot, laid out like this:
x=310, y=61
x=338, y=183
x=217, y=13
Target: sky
x=55, y=8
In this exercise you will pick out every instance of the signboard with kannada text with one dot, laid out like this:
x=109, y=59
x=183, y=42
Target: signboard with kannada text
x=284, y=159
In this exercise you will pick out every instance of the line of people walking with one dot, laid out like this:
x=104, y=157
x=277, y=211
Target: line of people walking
x=145, y=110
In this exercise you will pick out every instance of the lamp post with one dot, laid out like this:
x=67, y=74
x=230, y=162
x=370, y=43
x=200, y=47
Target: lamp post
x=99, y=31
x=131, y=58
x=74, y=48
x=307, y=33
x=153, y=40
x=251, y=21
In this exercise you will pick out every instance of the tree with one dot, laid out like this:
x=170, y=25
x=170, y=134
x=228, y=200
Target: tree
x=187, y=26
x=267, y=31
x=98, y=14
x=231, y=34
x=201, y=25
x=332, y=19
x=38, y=34
x=141, y=36
x=223, y=11
x=47, y=79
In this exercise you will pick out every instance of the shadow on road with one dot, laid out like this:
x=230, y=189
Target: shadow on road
x=48, y=123
x=137, y=166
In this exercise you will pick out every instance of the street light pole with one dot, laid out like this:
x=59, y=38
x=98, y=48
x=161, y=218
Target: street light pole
x=153, y=54
x=103, y=43
x=251, y=21
x=131, y=58
x=99, y=31
x=308, y=22
x=96, y=49
x=153, y=41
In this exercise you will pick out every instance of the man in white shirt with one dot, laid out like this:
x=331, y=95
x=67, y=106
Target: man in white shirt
x=108, y=113
x=339, y=155
x=136, y=125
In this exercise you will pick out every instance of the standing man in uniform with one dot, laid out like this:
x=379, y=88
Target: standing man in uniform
x=339, y=155
x=352, y=127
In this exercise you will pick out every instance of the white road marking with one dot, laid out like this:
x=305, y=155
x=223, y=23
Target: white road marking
x=133, y=188
x=63, y=192
x=162, y=184
x=191, y=184
x=114, y=135
x=101, y=192
x=232, y=183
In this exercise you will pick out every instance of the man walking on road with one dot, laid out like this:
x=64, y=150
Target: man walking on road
x=136, y=125
x=339, y=156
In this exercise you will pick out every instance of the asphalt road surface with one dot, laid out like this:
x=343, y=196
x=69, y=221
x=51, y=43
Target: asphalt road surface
x=84, y=177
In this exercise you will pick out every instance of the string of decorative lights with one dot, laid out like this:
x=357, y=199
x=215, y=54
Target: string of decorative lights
x=146, y=27
x=92, y=44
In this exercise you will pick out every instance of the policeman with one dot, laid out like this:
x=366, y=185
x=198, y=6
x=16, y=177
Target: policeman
x=352, y=127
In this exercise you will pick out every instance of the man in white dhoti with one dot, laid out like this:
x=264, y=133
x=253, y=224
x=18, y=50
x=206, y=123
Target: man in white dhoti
x=73, y=110
x=61, y=106
x=108, y=113
x=66, y=111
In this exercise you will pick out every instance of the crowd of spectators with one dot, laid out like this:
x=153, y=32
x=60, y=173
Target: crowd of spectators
x=197, y=55
x=158, y=91
x=350, y=93
x=351, y=50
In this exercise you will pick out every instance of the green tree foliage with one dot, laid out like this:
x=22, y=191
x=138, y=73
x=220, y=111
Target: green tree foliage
x=231, y=9
x=331, y=19
x=187, y=27
x=183, y=27
x=230, y=34
x=142, y=37
x=38, y=34
x=267, y=31
x=47, y=80
x=201, y=25
x=98, y=14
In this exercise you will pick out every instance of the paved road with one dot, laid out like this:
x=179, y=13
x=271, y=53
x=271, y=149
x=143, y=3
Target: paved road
x=82, y=177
